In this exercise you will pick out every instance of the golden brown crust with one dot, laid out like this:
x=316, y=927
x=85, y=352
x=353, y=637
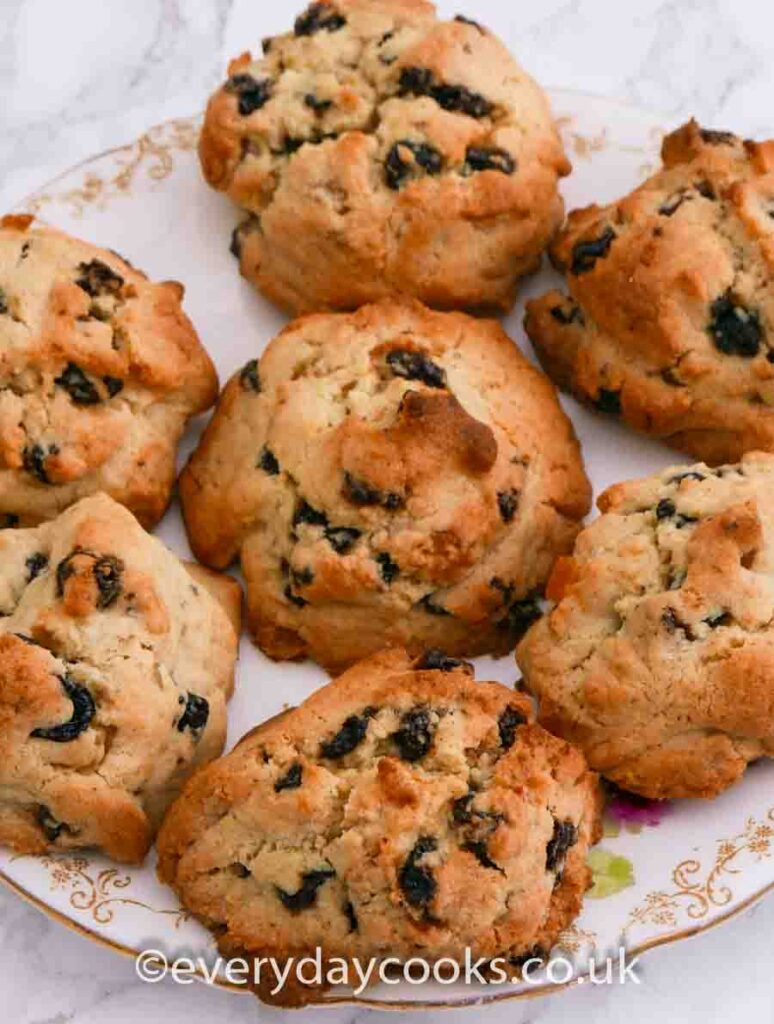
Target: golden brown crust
x=391, y=154
x=100, y=369
x=101, y=627
x=402, y=477
x=657, y=658
x=670, y=319
x=392, y=764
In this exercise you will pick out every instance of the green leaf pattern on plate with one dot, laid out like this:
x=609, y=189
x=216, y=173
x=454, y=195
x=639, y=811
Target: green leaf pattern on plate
x=610, y=873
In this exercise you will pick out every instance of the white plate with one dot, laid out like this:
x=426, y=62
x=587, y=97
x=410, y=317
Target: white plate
x=660, y=873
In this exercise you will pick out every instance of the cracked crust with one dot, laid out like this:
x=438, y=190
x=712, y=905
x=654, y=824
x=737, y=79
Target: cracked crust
x=400, y=477
x=315, y=831
x=392, y=153
x=685, y=351
x=105, y=638
x=100, y=370
x=657, y=657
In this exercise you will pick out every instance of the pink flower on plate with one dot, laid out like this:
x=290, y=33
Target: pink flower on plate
x=633, y=812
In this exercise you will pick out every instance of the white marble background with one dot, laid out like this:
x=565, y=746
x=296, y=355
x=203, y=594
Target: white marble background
x=80, y=76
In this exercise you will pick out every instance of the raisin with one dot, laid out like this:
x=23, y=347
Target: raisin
x=34, y=460
x=50, y=825
x=305, y=896
x=405, y=157
x=296, y=599
x=461, y=812
x=469, y=21
x=84, y=710
x=735, y=330
x=673, y=203
x=455, y=98
x=302, y=577
x=482, y=158
x=3, y=302
x=477, y=827
x=350, y=735
x=435, y=660
x=417, y=882
x=267, y=461
x=691, y=474
x=532, y=954
x=252, y=93
x=509, y=721
x=521, y=614
x=342, y=538
x=291, y=779
x=27, y=639
x=114, y=385
x=608, y=401
x=719, y=619
x=508, y=502
x=318, y=17
x=388, y=569
x=80, y=389
x=415, y=735
x=716, y=138
x=427, y=604
x=97, y=313
x=416, y=366
x=565, y=835
x=458, y=99
x=64, y=571
x=36, y=564
x=195, y=715
x=415, y=81
x=249, y=377
x=8, y=520
x=665, y=509
x=586, y=253
x=306, y=514
x=480, y=852
x=672, y=622
x=669, y=376
x=317, y=105
x=96, y=278
x=291, y=144
x=351, y=916
x=705, y=189
x=575, y=316
x=108, y=572
x=235, y=245
x=360, y=492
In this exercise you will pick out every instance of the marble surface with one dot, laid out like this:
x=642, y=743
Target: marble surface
x=79, y=77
